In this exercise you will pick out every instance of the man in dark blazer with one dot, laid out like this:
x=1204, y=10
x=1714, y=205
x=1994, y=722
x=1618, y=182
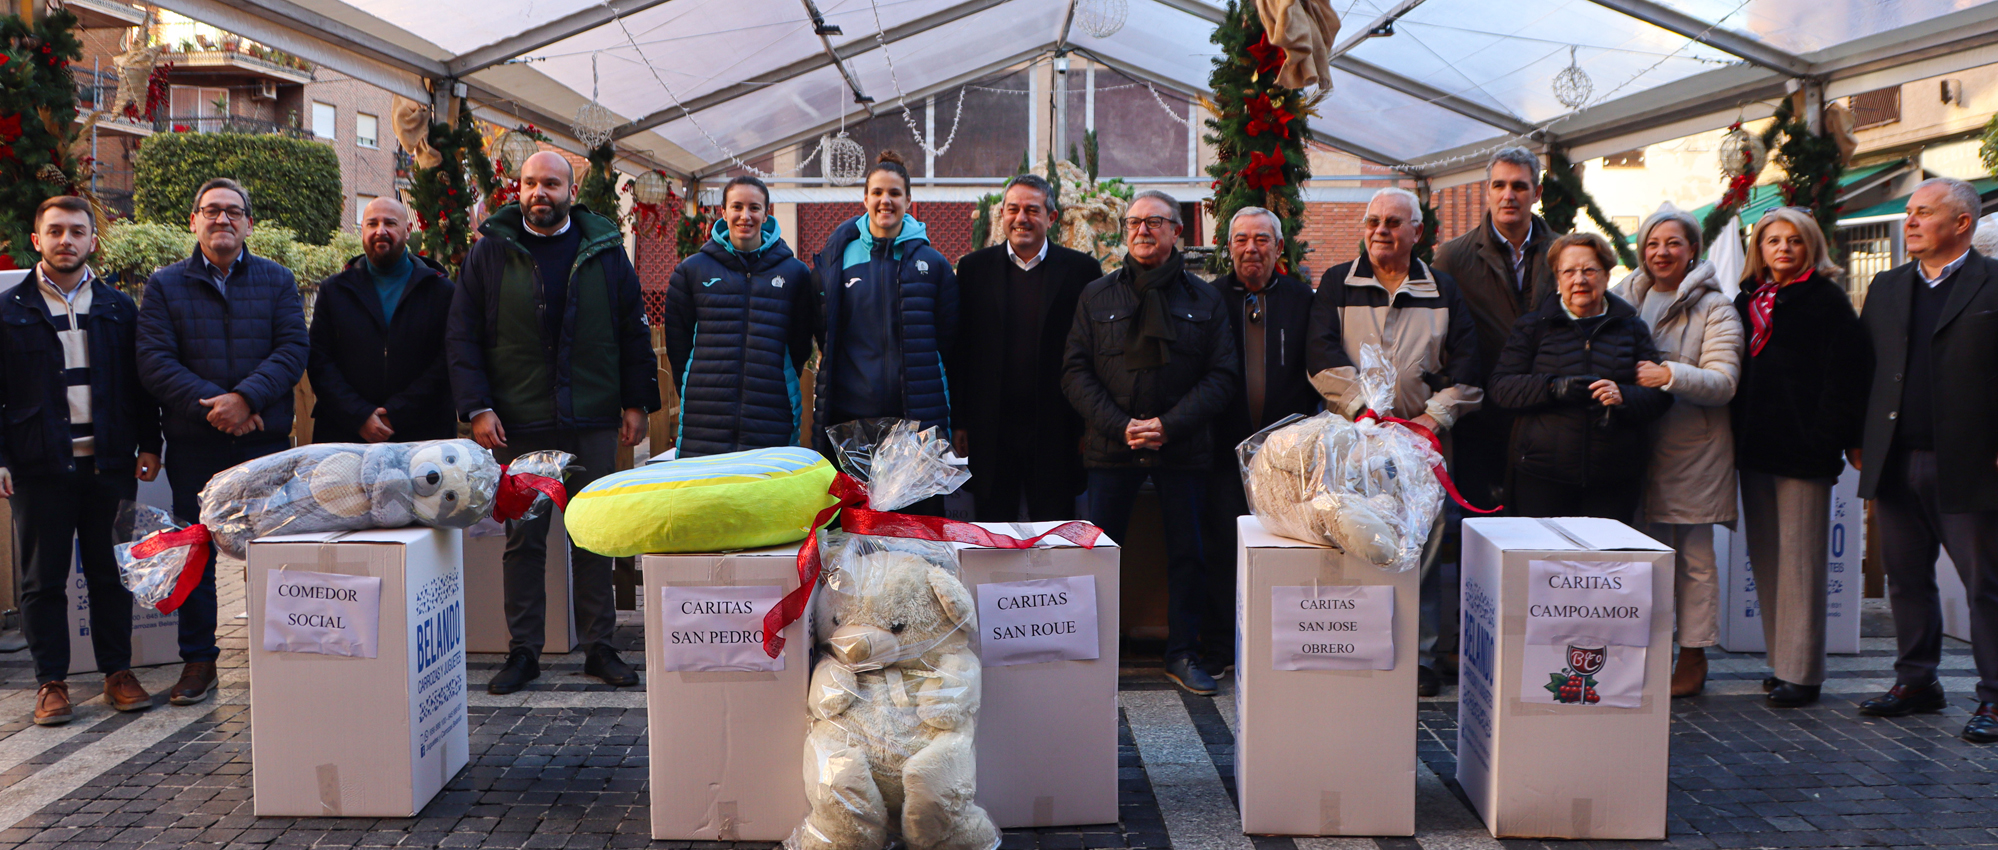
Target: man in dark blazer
x=377, y=365
x=1931, y=446
x=1269, y=317
x=1018, y=430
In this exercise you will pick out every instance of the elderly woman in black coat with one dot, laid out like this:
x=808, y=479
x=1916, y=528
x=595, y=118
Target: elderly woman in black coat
x=1580, y=442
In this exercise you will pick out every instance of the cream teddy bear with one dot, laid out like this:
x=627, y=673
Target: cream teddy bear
x=894, y=705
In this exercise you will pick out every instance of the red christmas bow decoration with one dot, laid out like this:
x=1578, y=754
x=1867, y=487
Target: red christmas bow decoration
x=857, y=518
x=1265, y=116
x=1442, y=474
x=1265, y=171
x=195, y=538
x=517, y=491
x=1269, y=57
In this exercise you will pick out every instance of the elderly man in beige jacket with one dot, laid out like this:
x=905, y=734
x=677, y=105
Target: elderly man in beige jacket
x=1691, y=484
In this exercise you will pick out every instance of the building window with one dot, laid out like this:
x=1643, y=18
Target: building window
x=1627, y=159
x=364, y=130
x=322, y=120
x=361, y=208
x=1875, y=108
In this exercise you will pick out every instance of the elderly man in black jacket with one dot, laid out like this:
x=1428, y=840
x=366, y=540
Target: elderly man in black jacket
x=1931, y=446
x=1268, y=317
x=1149, y=366
x=1018, y=431
x=377, y=363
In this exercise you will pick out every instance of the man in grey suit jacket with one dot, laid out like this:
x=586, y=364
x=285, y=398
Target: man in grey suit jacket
x=1931, y=446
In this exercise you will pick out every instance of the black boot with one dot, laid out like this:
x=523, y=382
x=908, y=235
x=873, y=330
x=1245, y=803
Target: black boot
x=521, y=668
x=602, y=662
x=1901, y=701
x=1793, y=695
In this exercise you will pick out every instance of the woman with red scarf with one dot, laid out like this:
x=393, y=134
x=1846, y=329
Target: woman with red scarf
x=1801, y=403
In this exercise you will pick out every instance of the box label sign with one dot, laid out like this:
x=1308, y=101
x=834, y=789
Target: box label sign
x=717, y=629
x=438, y=654
x=323, y=613
x=1332, y=628
x=1610, y=602
x=1037, y=621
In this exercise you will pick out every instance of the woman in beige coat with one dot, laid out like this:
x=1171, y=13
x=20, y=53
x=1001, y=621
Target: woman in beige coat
x=1691, y=484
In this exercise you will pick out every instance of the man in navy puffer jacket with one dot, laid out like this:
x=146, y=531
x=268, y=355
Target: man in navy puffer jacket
x=738, y=331
x=221, y=343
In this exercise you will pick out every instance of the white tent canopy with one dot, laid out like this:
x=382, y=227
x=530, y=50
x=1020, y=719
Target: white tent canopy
x=701, y=84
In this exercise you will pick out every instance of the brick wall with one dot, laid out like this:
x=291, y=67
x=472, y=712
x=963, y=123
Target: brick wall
x=948, y=222
x=1334, y=233
x=363, y=171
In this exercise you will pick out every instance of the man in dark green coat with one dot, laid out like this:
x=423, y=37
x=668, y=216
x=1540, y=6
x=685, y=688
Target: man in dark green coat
x=548, y=349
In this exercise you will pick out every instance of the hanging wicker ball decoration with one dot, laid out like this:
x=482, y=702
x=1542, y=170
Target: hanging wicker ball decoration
x=1572, y=86
x=652, y=188
x=842, y=160
x=1101, y=18
x=593, y=125
x=1742, y=152
x=514, y=148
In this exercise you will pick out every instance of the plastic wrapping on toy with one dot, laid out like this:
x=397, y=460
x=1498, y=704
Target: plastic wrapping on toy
x=899, y=464
x=154, y=552
x=543, y=463
x=893, y=700
x=348, y=487
x=1366, y=487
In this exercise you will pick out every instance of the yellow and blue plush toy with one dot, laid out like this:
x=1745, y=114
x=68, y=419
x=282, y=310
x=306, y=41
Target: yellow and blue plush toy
x=718, y=503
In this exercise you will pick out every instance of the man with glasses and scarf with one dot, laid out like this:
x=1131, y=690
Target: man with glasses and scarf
x=221, y=342
x=1149, y=365
x=1416, y=317
x=1268, y=316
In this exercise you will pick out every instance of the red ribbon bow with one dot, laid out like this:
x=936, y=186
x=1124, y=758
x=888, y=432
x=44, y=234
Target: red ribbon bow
x=195, y=538
x=1267, y=116
x=1269, y=57
x=517, y=491
x=1265, y=171
x=857, y=518
x=1442, y=474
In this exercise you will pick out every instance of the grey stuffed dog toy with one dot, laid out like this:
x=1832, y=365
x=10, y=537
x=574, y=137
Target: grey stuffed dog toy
x=350, y=486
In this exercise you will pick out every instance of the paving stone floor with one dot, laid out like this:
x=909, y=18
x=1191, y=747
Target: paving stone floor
x=563, y=765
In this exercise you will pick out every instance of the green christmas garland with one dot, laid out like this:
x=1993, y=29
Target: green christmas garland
x=1562, y=195
x=1258, y=135
x=441, y=198
x=37, y=125
x=598, y=190
x=1811, y=166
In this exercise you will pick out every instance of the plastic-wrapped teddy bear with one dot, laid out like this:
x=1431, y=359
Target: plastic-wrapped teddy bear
x=894, y=704
x=348, y=486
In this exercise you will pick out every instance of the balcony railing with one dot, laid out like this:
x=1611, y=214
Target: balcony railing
x=226, y=124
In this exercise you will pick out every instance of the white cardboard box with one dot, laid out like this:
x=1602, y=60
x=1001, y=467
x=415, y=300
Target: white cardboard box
x=1955, y=600
x=485, y=590
x=1047, y=731
x=1320, y=752
x=727, y=747
x=338, y=736
x=1536, y=770
x=1741, y=610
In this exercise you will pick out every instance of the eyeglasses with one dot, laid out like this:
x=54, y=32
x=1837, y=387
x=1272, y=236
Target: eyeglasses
x=1585, y=272
x=232, y=213
x=1255, y=309
x=1157, y=222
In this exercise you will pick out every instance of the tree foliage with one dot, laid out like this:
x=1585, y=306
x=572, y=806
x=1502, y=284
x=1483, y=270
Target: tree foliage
x=441, y=198
x=293, y=183
x=1258, y=133
x=37, y=121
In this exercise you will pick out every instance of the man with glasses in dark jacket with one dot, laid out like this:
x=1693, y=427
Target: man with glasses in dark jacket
x=1149, y=365
x=80, y=434
x=548, y=349
x=222, y=341
x=377, y=364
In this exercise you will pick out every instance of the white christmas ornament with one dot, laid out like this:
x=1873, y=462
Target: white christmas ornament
x=1572, y=86
x=514, y=148
x=1742, y=152
x=651, y=188
x=842, y=160
x=1101, y=18
x=594, y=123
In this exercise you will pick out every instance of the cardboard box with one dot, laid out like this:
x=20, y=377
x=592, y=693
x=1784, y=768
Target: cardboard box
x=1318, y=751
x=727, y=747
x=1539, y=770
x=1955, y=600
x=338, y=736
x=1741, y=609
x=1047, y=730
x=485, y=590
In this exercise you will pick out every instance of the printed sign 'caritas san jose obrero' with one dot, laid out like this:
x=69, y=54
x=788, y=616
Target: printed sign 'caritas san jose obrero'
x=719, y=503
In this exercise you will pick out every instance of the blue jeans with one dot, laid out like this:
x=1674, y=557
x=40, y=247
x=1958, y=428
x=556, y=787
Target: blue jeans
x=188, y=468
x=1112, y=492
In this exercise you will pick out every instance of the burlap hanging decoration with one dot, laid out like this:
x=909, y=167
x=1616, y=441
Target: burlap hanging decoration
x=1305, y=30
x=412, y=131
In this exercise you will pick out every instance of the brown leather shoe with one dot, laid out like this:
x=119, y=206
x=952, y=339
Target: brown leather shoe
x=125, y=693
x=1689, y=675
x=52, y=705
x=197, y=681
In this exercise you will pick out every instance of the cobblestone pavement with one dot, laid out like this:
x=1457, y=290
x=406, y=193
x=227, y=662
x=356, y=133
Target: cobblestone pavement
x=563, y=765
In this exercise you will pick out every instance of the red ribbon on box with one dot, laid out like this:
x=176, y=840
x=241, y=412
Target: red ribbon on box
x=857, y=518
x=195, y=538
x=517, y=491
x=1442, y=474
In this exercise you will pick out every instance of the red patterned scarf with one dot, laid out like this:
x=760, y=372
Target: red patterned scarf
x=1760, y=310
